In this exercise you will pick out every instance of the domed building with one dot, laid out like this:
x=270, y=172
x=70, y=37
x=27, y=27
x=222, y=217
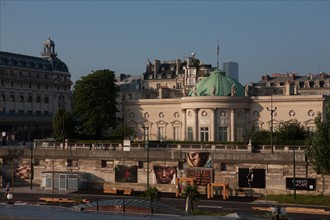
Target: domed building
x=32, y=90
x=210, y=106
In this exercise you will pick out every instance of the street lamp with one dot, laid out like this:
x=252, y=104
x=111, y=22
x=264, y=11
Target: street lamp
x=31, y=165
x=272, y=110
x=146, y=133
x=294, y=172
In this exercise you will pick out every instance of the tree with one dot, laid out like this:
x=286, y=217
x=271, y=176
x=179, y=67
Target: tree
x=290, y=132
x=151, y=194
x=94, y=102
x=319, y=152
x=63, y=124
x=191, y=194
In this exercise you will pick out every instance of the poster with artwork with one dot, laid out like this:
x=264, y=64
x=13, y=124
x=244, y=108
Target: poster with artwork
x=126, y=174
x=23, y=171
x=165, y=174
x=251, y=178
x=198, y=159
x=308, y=184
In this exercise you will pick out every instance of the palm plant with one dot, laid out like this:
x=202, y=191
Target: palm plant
x=191, y=194
x=151, y=193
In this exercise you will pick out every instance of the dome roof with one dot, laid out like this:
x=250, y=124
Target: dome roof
x=218, y=84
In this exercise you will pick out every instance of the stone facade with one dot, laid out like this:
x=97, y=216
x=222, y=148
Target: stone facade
x=228, y=164
x=32, y=90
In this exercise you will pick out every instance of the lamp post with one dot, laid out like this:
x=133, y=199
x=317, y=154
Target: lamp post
x=272, y=110
x=294, y=172
x=31, y=165
x=146, y=133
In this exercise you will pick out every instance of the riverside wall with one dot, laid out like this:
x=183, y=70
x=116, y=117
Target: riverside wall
x=228, y=164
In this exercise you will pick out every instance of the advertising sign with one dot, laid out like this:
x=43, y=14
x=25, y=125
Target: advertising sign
x=251, y=178
x=126, y=174
x=301, y=184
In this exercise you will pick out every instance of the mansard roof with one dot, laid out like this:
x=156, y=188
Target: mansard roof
x=30, y=62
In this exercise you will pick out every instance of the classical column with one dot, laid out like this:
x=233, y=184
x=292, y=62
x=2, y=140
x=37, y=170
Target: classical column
x=212, y=125
x=184, y=125
x=232, y=125
x=196, y=125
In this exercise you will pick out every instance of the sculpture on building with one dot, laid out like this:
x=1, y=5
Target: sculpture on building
x=233, y=90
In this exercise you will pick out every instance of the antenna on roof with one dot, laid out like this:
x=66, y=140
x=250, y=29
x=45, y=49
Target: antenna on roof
x=218, y=51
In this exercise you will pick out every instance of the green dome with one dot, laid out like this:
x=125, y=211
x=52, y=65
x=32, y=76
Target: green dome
x=217, y=84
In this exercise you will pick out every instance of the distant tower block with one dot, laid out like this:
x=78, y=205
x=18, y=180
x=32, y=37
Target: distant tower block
x=231, y=69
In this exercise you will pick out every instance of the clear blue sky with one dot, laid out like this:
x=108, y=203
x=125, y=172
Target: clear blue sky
x=264, y=37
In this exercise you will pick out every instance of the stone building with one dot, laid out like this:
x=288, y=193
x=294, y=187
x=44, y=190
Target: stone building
x=32, y=90
x=190, y=101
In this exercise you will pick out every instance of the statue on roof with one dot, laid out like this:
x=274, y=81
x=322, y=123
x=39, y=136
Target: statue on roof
x=213, y=90
x=233, y=90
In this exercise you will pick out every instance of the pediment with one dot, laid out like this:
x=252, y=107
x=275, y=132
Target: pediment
x=161, y=123
x=176, y=122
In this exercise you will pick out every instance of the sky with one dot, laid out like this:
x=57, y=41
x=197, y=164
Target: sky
x=264, y=37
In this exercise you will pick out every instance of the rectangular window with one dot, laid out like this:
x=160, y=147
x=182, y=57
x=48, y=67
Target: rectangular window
x=161, y=133
x=223, y=134
x=103, y=163
x=204, y=134
x=176, y=134
x=146, y=134
x=239, y=133
x=190, y=134
x=191, y=81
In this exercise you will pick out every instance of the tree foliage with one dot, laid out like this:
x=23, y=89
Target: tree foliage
x=63, y=124
x=191, y=192
x=319, y=152
x=290, y=132
x=151, y=193
x=94, y=101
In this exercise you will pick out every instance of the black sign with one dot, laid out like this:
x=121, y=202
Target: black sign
x=301, y=184
x=252, y=178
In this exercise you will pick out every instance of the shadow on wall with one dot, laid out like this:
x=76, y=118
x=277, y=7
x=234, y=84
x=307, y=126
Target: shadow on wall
x=94, y=182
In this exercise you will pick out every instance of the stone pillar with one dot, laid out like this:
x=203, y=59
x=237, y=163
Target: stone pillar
x=212, y=126
x=196, y=125
x=184, y=125
x=232, y=125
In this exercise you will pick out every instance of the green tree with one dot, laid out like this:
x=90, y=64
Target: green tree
x=94, y=101
x=290, y=132
x=191, y=195
x=63, y=124
x=319, y=152
x=151, y=194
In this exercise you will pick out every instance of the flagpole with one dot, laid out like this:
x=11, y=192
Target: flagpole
x=218, y=53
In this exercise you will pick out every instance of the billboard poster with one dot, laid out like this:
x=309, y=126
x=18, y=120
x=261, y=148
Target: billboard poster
x=126, y=174
x=251, y=178
x=301, y=184
x=165, y=174
x=198, y=159
x=202, y=176
x=23, y=171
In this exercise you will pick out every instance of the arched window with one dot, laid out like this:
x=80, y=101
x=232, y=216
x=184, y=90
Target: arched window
x=12, y=98
x=3, y=98
x=30, y=99
x=38, y=100
x=46, y=100
x=21, y=98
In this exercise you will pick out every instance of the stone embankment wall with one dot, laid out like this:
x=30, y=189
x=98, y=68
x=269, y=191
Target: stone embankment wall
x=228, y=164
